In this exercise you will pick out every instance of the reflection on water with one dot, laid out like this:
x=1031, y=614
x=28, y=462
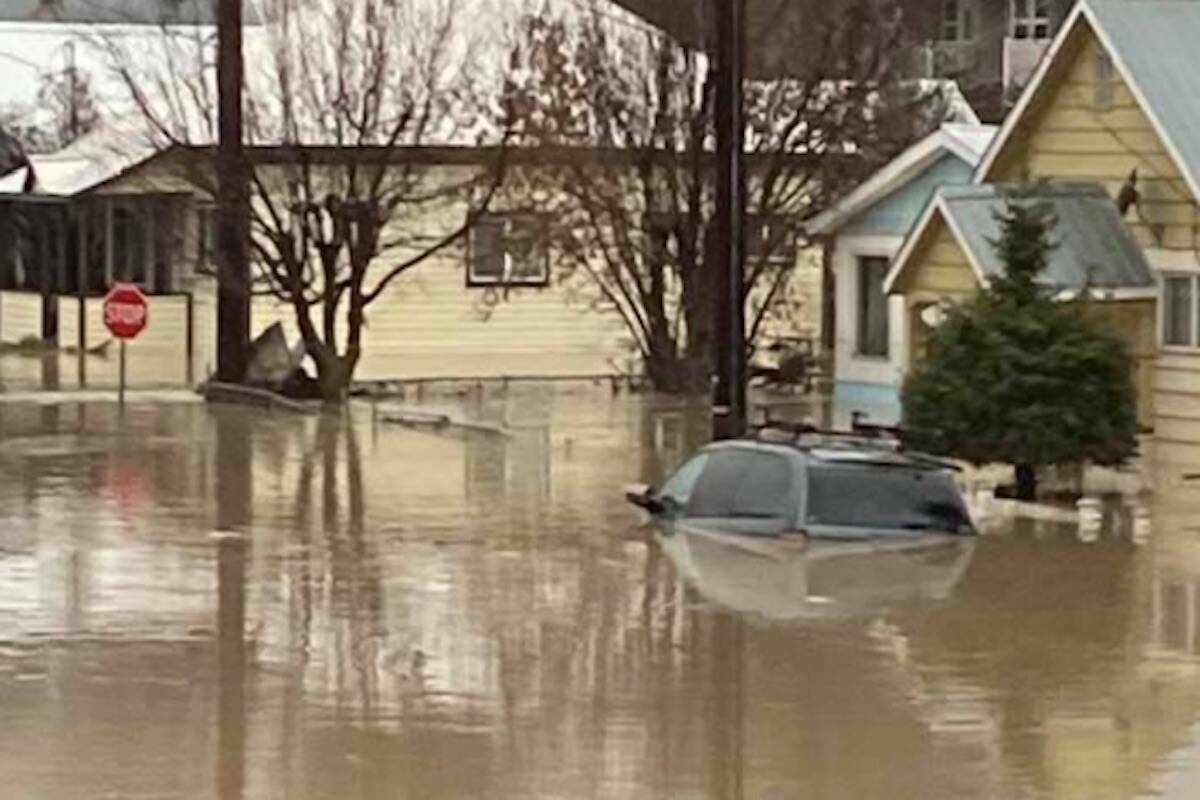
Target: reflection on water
x=479, y=616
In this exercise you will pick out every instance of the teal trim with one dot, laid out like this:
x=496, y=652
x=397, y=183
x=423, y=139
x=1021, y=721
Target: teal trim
x=895, y=214
x=879, y=401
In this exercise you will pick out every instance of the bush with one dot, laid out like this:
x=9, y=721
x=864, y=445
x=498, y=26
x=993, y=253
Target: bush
x=1014, y=377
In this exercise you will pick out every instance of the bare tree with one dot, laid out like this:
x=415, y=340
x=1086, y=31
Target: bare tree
x=632, y=214
x=344, y=102
x=66, y=109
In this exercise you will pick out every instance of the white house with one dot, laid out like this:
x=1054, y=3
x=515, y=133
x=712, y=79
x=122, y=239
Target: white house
x=864, y=232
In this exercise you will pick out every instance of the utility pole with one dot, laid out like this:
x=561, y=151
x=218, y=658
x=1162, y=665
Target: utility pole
x=233, y=201
x=729, y=402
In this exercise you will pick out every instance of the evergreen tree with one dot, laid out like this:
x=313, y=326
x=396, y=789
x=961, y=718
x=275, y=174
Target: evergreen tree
x=1015, y=377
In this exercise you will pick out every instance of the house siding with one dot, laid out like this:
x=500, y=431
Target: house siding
x=1064, y=137
x=20, y=317
x=894, y=215
x=940, y=271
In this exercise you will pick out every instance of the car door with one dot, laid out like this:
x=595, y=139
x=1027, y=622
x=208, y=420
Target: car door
x=744, y=490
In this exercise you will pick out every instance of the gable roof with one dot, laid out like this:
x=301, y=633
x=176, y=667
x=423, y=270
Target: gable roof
x=1153, y=45
x=966, y=142
x=1092, y=247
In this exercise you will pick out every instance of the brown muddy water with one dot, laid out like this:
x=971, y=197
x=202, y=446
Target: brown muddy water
x=473, y=616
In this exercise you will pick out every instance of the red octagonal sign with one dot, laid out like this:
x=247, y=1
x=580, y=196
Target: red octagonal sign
x=126, y=311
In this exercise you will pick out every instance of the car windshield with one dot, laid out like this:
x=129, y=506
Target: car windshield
x=862, y=496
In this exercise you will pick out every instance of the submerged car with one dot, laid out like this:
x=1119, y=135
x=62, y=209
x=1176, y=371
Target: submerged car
x=820, y=486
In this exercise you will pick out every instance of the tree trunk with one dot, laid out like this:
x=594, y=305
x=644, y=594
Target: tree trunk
x=1026, y=482
x=675, y=375
x=334, y=373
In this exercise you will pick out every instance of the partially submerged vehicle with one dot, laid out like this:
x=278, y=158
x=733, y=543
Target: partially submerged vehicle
x=811, y=484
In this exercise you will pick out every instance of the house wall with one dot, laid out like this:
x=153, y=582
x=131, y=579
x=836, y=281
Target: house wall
x=1064, y=137
x=895, y=214
x=430, y=325
x=20, y=317
x=864, y=383
x=941, y=273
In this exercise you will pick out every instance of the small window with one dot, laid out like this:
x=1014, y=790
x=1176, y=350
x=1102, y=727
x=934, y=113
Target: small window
x=873, y=317
x=958, y=21
x=1179, y=311
x=129, y=243
x=770, y=239
x=508, y=250
x=206, y=237
x=1029, y=19
x=1105, y=87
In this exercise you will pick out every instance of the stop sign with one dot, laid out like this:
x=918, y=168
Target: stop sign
x=126, y=311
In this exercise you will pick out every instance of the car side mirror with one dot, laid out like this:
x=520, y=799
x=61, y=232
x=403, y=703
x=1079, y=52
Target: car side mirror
x=644, y=497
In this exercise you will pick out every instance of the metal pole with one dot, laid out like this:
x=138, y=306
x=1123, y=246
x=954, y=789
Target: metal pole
x=121, y=384
x=233, y=201
x=729, y=405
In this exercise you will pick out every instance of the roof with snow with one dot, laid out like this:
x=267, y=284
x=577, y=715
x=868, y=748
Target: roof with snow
x=115, y=12
x=125, y=140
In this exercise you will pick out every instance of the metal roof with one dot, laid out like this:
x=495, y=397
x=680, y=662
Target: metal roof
x=1155, y=44
x=1093, y=248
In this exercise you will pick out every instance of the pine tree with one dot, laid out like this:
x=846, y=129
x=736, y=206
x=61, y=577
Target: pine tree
x=1015, y=377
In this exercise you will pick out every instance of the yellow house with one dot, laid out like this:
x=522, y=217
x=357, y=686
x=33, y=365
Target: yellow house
x=1113, y=111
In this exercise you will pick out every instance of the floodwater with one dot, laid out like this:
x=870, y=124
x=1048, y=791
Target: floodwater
x=475, y=616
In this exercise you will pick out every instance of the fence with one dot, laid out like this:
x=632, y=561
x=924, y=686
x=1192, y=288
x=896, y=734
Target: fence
x=175, y=350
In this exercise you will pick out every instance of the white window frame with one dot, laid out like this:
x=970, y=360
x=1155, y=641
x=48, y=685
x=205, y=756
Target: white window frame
x=860, y=260
x=509, y=279
x=957, y=21
x=1032, y=17
x=1194, y=338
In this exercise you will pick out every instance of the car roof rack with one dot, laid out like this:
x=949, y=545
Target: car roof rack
x=863, y=436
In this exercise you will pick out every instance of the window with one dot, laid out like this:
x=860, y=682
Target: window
x=1029, y=19
x=508, y=250
x=885, y=498
x=678, y=490
x=873, y=323
x=1179, y=311
x=958, y=21
x=206, y=237
x=129, y=243
x=743, y=484
x=1105, y=87
x=770, y=239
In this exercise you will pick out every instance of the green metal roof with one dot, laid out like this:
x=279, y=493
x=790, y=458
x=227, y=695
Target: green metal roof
x=1093, y=248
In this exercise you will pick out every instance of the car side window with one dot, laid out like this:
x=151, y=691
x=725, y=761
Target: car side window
x=678, y=489
x=743, y=484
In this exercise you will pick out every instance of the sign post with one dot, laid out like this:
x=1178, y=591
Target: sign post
x=126, y=314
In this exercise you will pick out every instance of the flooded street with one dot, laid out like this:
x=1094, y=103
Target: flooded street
x=471, y=615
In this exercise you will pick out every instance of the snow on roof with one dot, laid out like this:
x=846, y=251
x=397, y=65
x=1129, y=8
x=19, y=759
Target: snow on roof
x=481, y=36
